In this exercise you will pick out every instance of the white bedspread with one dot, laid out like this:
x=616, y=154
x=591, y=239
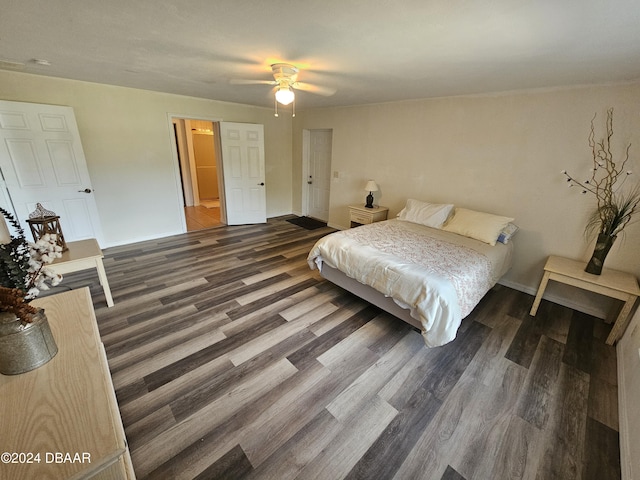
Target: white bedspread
x=440, y=276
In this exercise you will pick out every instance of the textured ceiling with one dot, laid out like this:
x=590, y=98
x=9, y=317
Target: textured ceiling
x=370, y=51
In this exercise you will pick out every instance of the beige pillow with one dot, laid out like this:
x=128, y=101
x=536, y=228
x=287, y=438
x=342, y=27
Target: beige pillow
x=481, y=226
x=429, y=214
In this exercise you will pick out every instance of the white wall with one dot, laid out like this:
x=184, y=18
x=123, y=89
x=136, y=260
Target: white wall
x=496, y=153
x=126, y=138
x=628, y=354
x=501, y=154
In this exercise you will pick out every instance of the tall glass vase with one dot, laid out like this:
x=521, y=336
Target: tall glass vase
x=603, y=245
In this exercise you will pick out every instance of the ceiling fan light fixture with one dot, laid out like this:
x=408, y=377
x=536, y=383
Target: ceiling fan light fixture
x=284, y=95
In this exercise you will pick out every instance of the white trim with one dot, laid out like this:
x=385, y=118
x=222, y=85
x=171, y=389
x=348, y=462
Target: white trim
x=337, y=227
x=193, y=177
x=182, y=153
x=145, y=238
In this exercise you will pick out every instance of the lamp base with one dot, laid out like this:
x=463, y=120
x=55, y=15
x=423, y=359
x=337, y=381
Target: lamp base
x=369, y=201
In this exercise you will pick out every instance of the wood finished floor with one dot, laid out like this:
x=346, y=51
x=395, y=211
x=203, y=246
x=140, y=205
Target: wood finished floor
x=201, y=217
x=231, y=359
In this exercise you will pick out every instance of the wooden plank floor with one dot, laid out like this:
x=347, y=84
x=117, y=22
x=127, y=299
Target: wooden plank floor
x=201, y=217
x=231, y=359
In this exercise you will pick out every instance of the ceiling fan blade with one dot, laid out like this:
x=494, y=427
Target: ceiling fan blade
x=240, y=81
x=307, y=87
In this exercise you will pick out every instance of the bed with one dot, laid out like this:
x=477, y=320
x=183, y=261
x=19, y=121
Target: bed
x=429, y=267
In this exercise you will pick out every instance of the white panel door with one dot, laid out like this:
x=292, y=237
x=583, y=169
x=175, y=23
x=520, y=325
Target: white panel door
x=319, y=173
x=42, y=161
x=243, y=172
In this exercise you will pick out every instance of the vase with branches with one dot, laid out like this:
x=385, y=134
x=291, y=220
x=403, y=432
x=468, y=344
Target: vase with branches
x=616, y=202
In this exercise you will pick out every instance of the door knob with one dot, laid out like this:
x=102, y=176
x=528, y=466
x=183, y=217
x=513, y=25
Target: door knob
x=86, y=190
x=309, y=182
x=261, y=184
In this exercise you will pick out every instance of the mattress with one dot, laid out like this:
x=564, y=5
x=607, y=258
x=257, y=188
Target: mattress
x=438, y=276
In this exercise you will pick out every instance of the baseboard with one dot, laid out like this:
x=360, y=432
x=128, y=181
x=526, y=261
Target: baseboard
x=590, y=309
x=129, y=241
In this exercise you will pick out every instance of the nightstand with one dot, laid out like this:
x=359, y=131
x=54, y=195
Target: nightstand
x=361, y=215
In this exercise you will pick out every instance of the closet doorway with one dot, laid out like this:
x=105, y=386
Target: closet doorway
x=199, y=157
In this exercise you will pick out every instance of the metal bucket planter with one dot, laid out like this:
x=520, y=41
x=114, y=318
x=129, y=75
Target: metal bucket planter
x=25, y=347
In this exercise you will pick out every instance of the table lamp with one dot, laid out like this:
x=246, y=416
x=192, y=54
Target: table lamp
x=370, y=187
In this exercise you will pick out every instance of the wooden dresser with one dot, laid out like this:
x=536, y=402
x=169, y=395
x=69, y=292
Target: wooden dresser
x=62, y=419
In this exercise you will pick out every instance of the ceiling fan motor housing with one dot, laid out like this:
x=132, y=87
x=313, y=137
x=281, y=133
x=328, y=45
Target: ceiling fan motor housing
x=284, y=73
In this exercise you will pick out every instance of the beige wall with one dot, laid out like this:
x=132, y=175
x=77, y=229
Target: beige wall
x=126, y=138
x=496, y=153
x=501, y=154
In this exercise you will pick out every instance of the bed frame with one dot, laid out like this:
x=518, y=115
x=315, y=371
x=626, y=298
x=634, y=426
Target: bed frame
x=369, y=294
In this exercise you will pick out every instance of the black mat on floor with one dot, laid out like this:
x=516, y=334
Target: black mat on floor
x=307, y=222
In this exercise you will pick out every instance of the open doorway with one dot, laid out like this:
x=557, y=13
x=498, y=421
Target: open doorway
x=199, y=159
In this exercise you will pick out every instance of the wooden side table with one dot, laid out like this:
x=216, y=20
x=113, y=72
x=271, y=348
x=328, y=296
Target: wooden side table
x=611, y=283
x=83, y=255
x=361, y=215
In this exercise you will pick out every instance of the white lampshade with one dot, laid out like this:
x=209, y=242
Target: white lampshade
x=285, y=95
x=371, y=186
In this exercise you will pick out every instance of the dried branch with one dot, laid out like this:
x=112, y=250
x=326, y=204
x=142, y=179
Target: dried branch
x=614, y=209
x=12, y=300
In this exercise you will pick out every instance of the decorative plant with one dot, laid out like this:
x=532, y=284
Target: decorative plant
x=23, y=271
x=615, y=207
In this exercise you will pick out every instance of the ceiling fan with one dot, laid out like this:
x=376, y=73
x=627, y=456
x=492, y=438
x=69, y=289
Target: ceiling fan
x=285, y=79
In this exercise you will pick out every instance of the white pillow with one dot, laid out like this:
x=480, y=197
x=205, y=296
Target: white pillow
x=507, y=232
x=429, y=214
x=481, y=226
